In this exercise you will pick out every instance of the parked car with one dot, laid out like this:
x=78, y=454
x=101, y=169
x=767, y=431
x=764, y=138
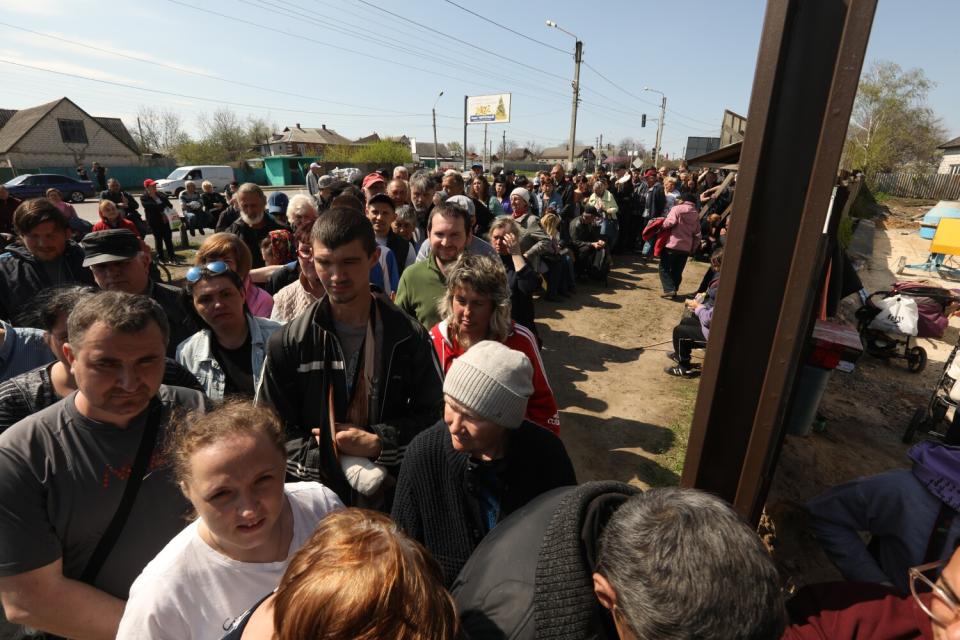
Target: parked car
x=172, y=185
x=35, y=185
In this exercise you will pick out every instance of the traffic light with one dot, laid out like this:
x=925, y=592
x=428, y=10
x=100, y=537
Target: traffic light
x=643, y=120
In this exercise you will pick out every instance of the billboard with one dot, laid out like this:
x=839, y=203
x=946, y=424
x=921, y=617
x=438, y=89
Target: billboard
x=493, y=109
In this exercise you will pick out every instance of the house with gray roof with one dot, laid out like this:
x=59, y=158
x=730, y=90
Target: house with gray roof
x=303, y=141
x=951, y=157
x=61, y=134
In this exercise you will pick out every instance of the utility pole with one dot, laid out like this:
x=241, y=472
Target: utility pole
x=142, y=141
x=503, y=152
x=483, y=155
x=436, y=155
x=577, y=58
x=663, y=110
x=464, y=133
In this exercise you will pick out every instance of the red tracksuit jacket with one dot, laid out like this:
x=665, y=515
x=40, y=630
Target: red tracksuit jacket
x=542, y=406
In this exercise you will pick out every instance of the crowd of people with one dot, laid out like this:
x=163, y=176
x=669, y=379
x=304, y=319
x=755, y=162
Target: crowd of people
x=341, y=427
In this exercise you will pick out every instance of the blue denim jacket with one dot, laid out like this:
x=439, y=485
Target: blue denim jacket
x=196, y=354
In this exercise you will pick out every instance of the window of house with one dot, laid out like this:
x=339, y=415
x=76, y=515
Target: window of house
x=72, y=131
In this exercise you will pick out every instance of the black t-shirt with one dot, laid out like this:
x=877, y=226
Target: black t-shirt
x=237, y=365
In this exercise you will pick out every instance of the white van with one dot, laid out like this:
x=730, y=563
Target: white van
x=172, y=185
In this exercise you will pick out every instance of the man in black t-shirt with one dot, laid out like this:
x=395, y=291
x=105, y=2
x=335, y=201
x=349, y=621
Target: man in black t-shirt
x=64, y=470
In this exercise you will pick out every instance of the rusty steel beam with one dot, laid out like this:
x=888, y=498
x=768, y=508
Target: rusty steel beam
x=808, y=67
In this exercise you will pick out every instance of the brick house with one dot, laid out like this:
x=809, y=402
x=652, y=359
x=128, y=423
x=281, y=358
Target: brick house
x=61, y=134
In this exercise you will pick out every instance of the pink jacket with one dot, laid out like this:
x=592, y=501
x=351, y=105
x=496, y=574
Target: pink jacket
x=683, y=221
x=258, y=301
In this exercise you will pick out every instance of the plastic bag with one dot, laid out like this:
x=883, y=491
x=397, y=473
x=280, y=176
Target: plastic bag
x=898, y=314
x=172, y=217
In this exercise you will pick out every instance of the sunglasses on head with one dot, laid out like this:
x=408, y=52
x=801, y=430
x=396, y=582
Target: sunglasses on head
x=217, y=268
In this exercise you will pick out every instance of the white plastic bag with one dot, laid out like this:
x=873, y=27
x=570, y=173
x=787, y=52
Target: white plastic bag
x=898, y=314
x=172, y=217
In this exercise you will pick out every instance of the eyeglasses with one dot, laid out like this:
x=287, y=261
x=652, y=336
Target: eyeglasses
x=217, y=268
x=941, y=591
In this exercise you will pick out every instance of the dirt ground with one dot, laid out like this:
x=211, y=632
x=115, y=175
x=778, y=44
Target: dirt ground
x=866, y=411
x=622, y=418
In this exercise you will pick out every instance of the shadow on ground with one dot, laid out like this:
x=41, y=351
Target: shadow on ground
x=617, y=449
x=571, y=359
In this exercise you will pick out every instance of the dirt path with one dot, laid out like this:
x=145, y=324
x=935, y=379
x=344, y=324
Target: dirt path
x=622, y=418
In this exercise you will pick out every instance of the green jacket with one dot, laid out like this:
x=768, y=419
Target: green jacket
x=422, y=286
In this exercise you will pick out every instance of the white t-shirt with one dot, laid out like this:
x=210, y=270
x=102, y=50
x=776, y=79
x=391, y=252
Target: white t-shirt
x=189, y=591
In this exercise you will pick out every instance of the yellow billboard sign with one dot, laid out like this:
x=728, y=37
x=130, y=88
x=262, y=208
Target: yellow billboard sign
x=488, y=109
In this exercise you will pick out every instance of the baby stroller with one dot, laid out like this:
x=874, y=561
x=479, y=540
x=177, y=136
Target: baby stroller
x=928, y=419
x=933, y=310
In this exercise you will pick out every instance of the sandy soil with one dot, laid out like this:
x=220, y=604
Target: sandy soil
x=622, y=417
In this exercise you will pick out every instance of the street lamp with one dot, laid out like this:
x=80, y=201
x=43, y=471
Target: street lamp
x=663, y=109
x=577, y=57
x=436, y=159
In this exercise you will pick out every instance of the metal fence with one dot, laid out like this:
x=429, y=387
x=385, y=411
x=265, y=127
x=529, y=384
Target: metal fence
x=933, y=186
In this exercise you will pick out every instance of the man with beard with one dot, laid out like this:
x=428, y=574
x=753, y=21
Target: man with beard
x=424, y=284
x=254, y=224
x=422, y=189
x=352, y=376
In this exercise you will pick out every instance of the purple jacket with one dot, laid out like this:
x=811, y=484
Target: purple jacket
x=683, y=221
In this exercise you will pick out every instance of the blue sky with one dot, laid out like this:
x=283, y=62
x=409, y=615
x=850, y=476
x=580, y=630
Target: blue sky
x=361, y=66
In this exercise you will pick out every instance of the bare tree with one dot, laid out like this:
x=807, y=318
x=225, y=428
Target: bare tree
x=158, y=130
x=455, y=148
x=225, y=132
x=535, y=147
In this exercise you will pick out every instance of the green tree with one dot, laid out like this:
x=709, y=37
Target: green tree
x=891, y=125
x=385, y=151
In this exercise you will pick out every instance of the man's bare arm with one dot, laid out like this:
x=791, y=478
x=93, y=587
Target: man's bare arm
x=46, y=600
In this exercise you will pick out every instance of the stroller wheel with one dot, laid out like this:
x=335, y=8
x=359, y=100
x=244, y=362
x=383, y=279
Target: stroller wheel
x=916, y=423
x=916, y=359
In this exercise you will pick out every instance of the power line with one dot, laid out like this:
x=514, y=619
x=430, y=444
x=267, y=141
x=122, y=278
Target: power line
x=639, y=99
x=342, y=49
x=522, y=35
x=198, y=73
x=214, y=100
x=457, y=40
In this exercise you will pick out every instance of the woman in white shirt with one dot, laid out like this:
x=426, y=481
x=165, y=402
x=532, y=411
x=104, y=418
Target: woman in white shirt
x=230, y=464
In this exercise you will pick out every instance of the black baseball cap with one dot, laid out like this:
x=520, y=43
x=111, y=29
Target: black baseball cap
x=385, y=199
x=111, y=245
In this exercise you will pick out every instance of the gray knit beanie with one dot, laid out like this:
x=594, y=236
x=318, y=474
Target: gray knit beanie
x=492, y=380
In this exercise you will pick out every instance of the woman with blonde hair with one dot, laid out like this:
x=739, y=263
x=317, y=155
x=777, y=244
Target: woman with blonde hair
x=234, y=251
x=230, y=463
x=476, y=307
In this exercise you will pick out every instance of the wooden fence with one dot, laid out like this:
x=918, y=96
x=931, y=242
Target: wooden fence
x=933, y=186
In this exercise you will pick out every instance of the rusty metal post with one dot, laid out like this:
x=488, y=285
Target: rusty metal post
x=808, y=68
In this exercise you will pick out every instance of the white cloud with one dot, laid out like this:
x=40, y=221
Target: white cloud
x=95, y=48
x=62, y=66
x=32, y=7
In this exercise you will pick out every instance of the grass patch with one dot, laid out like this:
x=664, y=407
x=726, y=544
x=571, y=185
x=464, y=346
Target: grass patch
x=672, y=460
